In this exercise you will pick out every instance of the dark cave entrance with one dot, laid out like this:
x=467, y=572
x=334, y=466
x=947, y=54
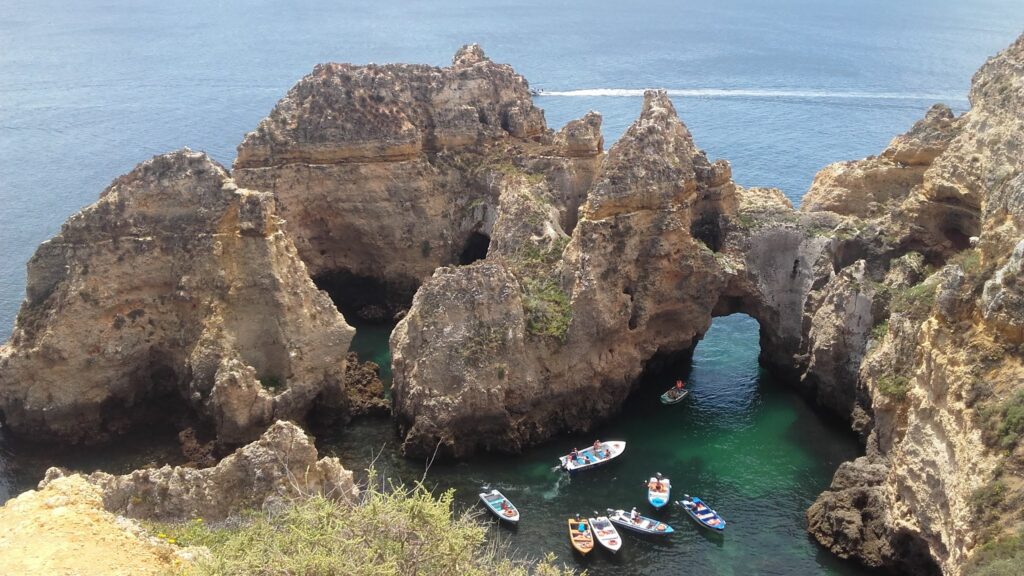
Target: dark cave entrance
x=365, y=299
x=475, y=248
x=708, y=229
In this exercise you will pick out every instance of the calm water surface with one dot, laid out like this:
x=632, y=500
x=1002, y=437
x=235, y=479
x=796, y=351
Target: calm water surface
x=746, y=443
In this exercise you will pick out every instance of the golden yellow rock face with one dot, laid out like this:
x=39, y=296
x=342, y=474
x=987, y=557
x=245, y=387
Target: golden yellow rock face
x=63, y=530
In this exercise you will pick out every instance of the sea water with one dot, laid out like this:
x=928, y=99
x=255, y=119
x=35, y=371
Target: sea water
x=743, y=441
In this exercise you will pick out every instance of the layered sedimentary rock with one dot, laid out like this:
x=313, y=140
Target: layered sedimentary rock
x=176, y=292
x=944, y=372
x=551, y=332
x=384, y=173
x=280, y=466
x=871, y=187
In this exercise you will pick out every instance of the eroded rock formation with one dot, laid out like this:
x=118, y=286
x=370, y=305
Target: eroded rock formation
x=943, y=370
x=891, y=298
x=176, y=291
x=281, y=465
x=494, y=355
x=384, y=173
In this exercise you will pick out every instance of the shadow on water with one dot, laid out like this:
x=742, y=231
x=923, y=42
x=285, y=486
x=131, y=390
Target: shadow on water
x=23, y=464
x=749, y=445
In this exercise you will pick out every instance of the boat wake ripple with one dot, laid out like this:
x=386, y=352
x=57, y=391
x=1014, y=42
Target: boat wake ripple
x=763, y=94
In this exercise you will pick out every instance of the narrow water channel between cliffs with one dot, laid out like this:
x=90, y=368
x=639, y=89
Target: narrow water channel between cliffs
x=748, y=444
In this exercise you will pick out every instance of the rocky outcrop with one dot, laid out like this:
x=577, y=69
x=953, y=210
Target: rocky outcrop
x=384, y=173
x=873, y=186
x=551, y=273
x=942, y=370
x=491, y=355
x=364, y=388
x=63, y=529
x=175, y=293
x=280, y=466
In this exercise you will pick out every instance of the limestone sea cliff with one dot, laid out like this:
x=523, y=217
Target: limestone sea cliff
x=175, y=294
x=536, y=277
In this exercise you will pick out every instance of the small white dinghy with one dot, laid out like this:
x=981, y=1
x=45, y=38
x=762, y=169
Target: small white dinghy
x=589, y=458
x=500, y=506
x=658, y=489
x=605, y=533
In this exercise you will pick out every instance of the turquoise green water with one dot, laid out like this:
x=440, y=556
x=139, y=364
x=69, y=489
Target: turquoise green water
x=371, y=343
x=747, y=444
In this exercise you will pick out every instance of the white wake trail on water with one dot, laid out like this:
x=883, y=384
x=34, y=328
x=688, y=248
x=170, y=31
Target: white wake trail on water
x=744, y=93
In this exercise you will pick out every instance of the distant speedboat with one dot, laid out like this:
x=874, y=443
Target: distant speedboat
x=702, y=513
x=500, y=506
x=537, y=92
x=589, y=458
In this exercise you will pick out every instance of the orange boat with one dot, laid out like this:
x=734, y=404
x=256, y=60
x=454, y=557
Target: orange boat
x=582, y=540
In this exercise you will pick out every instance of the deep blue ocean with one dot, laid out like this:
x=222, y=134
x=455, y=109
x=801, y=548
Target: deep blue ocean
x=779, y=88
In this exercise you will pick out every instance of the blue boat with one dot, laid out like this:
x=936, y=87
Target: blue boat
x=500, y=506
x=702, y=513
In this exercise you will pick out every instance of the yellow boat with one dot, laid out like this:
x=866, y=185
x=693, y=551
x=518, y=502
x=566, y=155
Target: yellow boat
x=582, y=541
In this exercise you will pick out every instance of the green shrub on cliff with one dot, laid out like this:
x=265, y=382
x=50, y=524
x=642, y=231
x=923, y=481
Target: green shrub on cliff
x=395, y=533
x=894, y=386
x=1004, y=422
x=915, y=301
x=547, y=308
x=1000, y=557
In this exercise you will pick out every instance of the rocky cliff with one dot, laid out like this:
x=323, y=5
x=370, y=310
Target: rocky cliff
x=75, y=524
x=890, y=299
x=281, y=465
x=492, y=355
x=63, y=529
x=384, y=173
x=942, y=376
x=175, y=294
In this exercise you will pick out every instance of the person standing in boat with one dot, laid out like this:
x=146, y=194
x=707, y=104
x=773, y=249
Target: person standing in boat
x=574, y=455
x=597, y=449
x=678, y=388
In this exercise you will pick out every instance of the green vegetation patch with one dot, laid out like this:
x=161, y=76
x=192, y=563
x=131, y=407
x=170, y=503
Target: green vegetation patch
x=508, y=168
x=1003, y=423
x=273, y=383
x=547, y=308
x=879, y=331
x=390, y=533
x=1000, y=557
x=916, y=301
x=894, y=386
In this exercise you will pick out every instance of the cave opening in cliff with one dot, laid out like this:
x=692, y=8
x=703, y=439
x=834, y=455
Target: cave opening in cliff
x=365, y=299
x=708, y=229
x=475, y=248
